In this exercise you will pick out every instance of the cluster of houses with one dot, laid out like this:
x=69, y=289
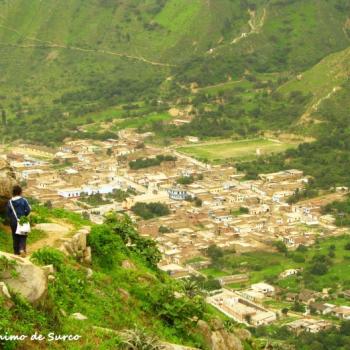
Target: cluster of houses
x=235, y=214
x=315, y=305
x=216, y=206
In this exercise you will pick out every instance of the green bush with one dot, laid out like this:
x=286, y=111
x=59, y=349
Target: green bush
x=49, y=256
x=150, y=210
x=104, y=245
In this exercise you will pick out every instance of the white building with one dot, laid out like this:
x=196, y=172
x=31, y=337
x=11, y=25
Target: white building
x=264, y=288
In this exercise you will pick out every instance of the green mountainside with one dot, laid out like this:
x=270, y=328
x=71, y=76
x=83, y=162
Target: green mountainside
x=61, y=60
x=243, y=68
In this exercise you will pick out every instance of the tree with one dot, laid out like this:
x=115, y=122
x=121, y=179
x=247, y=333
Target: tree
x=215, y=253
x=150, y=210
x=198, y=202
x=319, y=268
x=190, y=288
x=302, y=248
x=281, y=247
x=297, y=307
x=331, y=254
x=345, y=328
x=285, y=311
x=185, y=180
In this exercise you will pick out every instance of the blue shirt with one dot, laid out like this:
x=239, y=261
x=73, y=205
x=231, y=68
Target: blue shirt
x=21, y=207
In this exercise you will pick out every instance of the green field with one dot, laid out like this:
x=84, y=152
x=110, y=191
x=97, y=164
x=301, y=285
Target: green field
x=235, y=150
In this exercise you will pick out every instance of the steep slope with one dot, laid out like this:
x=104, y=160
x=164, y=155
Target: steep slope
x=63, y=59
x=121, y=293
x=322, y=81
x=280, y=35
x=54, y=46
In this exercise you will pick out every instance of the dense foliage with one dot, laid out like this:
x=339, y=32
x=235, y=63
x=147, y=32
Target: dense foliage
x=141, y=163
x=150, y=210
x=114, y=297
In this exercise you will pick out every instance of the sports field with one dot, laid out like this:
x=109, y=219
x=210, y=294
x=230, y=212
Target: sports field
x=236, y=150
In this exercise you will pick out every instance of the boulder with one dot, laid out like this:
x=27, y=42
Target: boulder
x=5, y=295
x=76, y=246
x=242, y=334
x=216, y=336
x=7, y=181
x=48, y=269
x=4, y=292
x=87, y=258
x=205, y=330
x=169, y=346
x=29, y=280
x=78, y=316
x=129, y=265
x=89, y=273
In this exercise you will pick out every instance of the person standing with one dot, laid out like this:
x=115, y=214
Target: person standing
x=17, y=207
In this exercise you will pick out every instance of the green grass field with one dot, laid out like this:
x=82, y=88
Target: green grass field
x=235, y=150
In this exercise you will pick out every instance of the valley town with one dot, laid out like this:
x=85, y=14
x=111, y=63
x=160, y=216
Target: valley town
x=197, y=212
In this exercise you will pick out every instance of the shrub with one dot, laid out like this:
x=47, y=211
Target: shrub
x=104, y=245
x=298, y=258
x=49, y=256
x=139, y=339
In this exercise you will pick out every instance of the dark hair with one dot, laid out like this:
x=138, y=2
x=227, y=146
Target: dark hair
x=17, y=190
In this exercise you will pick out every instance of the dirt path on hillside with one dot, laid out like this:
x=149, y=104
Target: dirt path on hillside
x=255, y=25
x=55, y=232
x=44, y=44
x=315, y=106
x=219, y=85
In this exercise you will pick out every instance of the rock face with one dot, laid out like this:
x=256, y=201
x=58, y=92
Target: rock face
x=217, y=338
x=24, y=278
x=76, y=246
x=7, y=180
x=6, y=296
x=4, y=292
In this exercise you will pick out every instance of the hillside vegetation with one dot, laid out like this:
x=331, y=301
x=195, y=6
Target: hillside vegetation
x=62, y=60
x=122, y=290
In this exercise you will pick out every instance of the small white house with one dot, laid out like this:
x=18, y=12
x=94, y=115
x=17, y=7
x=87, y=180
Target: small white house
x=264, y=288
x=288, y=273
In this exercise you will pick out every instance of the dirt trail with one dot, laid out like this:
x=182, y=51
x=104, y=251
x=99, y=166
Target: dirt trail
x=314, y=107
x=51, y=45
x=219, y=85
x=254, y=23
x=55, y=231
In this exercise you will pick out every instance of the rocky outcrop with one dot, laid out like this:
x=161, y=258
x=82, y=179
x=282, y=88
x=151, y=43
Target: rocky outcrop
x=169, y=346
x=24, y=278
x=217, y=337
x=7, y=180
x=5, y=296
x=76, y=246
